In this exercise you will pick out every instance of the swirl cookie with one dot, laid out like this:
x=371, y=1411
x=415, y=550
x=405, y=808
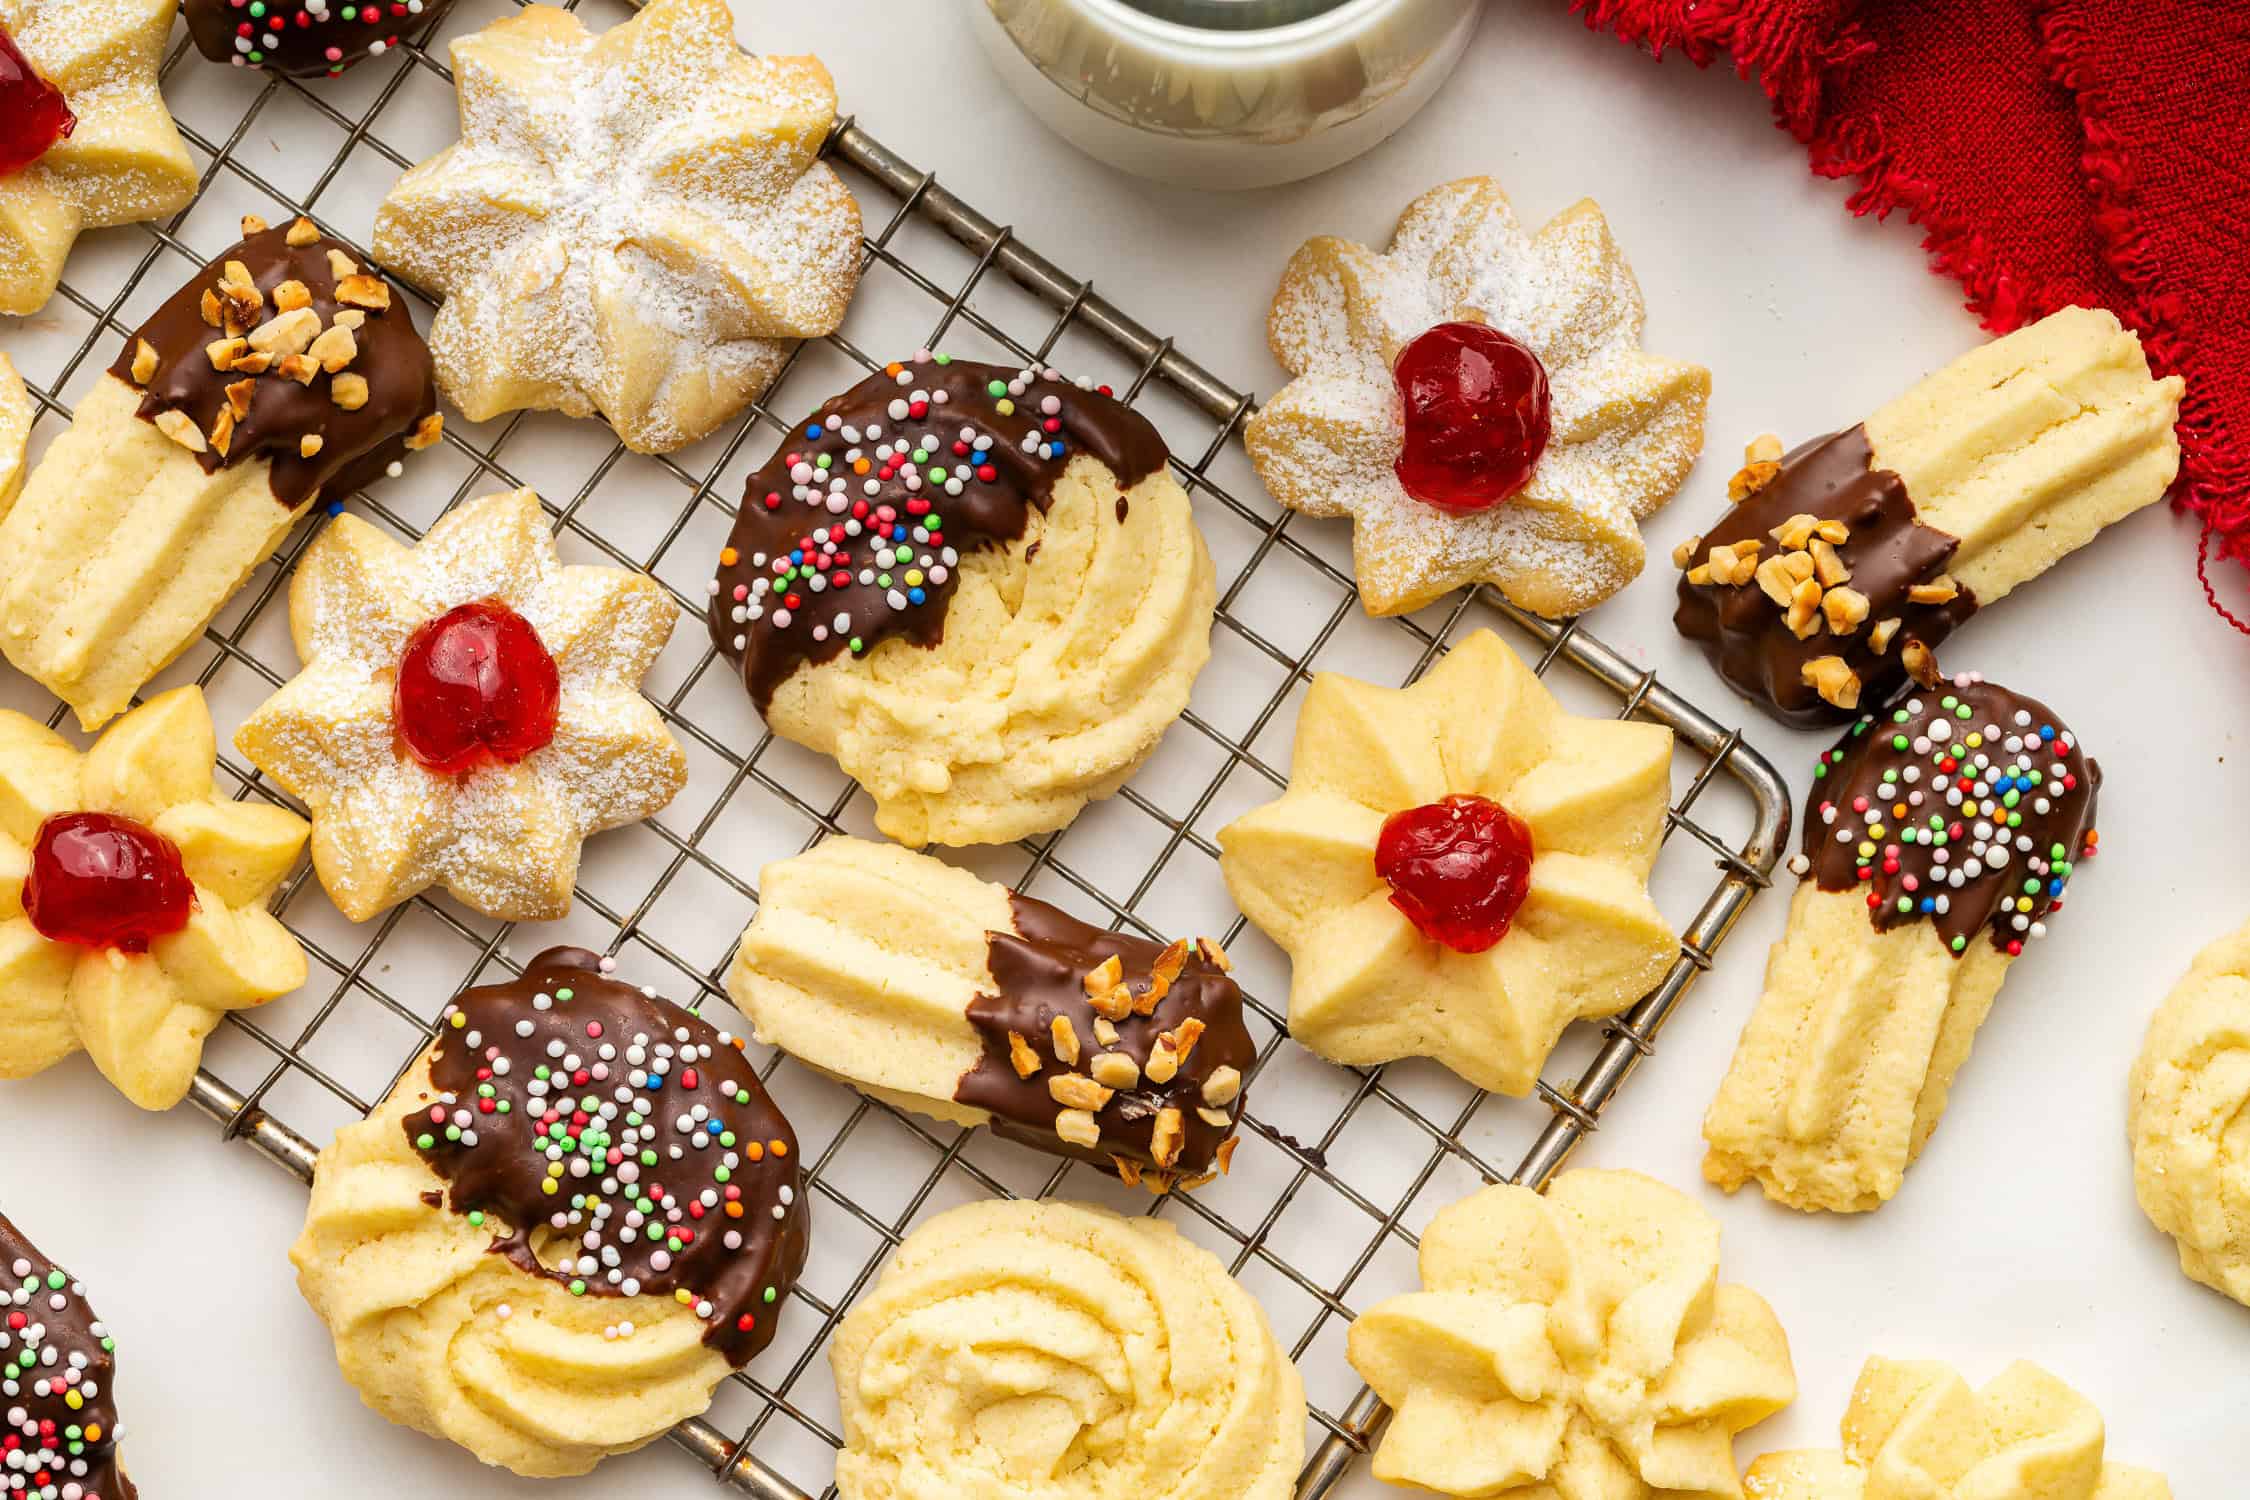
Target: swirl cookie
x=1917, y=1429
x=1845, y=560
x=1939, y=836
x=569, y=1219
x=1573, y=1343
x=469, y=710
x=2190, y=1101
x=1458, y=869
x=1476, y=400
x=90, y=144
x=133, y=898
x=57, y=1364
x=935, y=991
x=304, y=38
x=1048, y=1351
x=633, y=225
x=283, y=374
x=979, y=589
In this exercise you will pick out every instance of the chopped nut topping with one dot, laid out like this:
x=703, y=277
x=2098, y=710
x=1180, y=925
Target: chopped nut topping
x=1846, y=609
x=348, y=391
x=235, y=273
x=239, y=395
x=1795, y=532
x=253, y=364
x=1774, y=578
x=252, y=224
x=1022, y=1056
x=1217, y=1119
x=350, y=317
x=1078, y=1127
x=1066, y=1040
x=1222, y=1087
x=222, y=431
x=1077, y=1091
x=1835, y=681
x=1921, y=662
x=1765, y=448
x=1189, y=1033
x=1128, y=1170
x=1939, y=590
x=1169, y=1135
x=308, y=445
x=1113, y=1004
x=302, y=232
x=1171, y=961
x=1700, y=575
x=370, y=292
x=1105, y=1031
x=298, y=367
x=1736, y=564
x=1828, y=564
x=289, y=333
x=1163, y=1061
x=1684, y=553
x=181, y=429
x=1214, y=955
x=1880, y=636
x=426, y=432
x=291, y=295
x=212, y=313
x=144, y=361
x=1114, y=1070
x=334, y=349
x=224, y=352
x=1225, y=1154
x=1804, y=618
x=1833, y=532
x=1751, y=478
x=341, y=265
x=1799, y=565
x=1104, y=976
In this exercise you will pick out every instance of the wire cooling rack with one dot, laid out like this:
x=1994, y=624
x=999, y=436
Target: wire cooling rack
x=1337, y=1167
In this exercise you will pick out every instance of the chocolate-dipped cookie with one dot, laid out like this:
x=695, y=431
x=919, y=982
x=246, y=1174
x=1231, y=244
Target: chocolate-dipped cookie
x=575, y=1152
x=304, y=38
x=924, y=986
x=57, y=1365
x=979, y=588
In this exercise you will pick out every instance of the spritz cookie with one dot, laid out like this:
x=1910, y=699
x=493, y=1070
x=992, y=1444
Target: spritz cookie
x=574, y=1214
x=469, y=710
x=58, y=1363
x=979, y=588
x=1573, y=1343
x=305, y=38
x=1938, y=838
x=1459, y=869
x=1476, y=400
x=133, y=898
x=2190, y=1100
x=634, y=225
x=1051, y=1351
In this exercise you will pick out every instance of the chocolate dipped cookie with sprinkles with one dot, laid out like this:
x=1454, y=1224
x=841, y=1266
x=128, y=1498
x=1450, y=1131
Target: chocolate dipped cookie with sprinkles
x=1939, y=838
x=568, y=1221
x=978, y=587
x=57, y=1364
x=304, y=38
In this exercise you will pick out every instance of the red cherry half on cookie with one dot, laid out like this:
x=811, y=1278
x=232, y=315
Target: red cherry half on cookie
x=475, y=684
x=1477, y=416
x=33, y=113
x=105, y=882
x=1459, y=869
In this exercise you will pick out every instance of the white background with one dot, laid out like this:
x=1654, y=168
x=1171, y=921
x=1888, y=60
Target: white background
x=2016, y=1236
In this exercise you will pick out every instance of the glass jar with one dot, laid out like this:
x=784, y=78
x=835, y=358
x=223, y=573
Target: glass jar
x=1225, y=93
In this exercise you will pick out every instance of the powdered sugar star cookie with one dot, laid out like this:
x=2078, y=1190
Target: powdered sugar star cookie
x=1561, y=467
x=469, y=710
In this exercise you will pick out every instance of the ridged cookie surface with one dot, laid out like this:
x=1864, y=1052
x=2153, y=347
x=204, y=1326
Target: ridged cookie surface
x=2190, y=1118
x=1048, y=1351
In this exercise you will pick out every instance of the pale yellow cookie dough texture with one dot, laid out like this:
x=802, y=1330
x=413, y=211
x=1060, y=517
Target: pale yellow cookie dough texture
x=633, y=225
x=16, y=417
x=2190, y=1117
x=1067, y=653
x=1573, y=1344
x=1916, y=1431
x=503, y=839
x=123, y=163
x=142, y=1017
x=439, y=1334
x=1627, y=426
x=1365, y=985
x=1051, y=1351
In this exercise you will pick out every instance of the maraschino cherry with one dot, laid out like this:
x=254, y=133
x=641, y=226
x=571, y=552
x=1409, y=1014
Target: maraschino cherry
x=1477, y=416
x=1459, y=869
x=476, y=684
x=33, y=112
x=103, y=881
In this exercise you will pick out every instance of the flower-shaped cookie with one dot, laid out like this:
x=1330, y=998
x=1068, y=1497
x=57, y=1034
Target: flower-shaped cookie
x=469, y=710
x=633, y=224
x=132, y=898
x=1574, y=1344
x=1523, y=452
x=1915, y=1431
x=115, y=156
x=1458, y=869
x=2190, y=1098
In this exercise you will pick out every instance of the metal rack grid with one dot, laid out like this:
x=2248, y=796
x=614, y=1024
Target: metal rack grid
x=267, y=1066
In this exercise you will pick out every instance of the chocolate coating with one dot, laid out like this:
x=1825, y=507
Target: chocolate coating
x=356, y=445
x=1888, y=552
x=297, y=37
x=792, y=498
x=61, y=1350
x=1967, y=867
x=1040, y=970
x=644, y=1166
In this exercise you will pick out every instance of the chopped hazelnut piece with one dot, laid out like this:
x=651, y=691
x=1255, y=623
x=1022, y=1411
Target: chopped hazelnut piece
x=1214, y=955
x=1700, y=575
x=239, y=395
x=1736, y=564
x=298, y=367
x=308, y=445
x=1835, y=681
x=291, y=295
x=1105, y=1031
x=1113, y=1004
x=1021, y=1055
x=1765, y=448
x=1171, y=961
x=181, y=429
x=210, y=305
x=235, y=273
x=1846, y=609
x=1684, y=554
x=370, y=292
x=350, y=317
x=1190, y=1032
x=335, y=349
x=1828, y=564
x=224, y=352
x=144, y=361
x=1079, y=1128
x=348, y=391
x=1066, y=1040
x=426, y=432
x=1104, y=976
x=222, y=431
x=1222, y=1087
x=1217, y=1119
x=1168, y=1136
x=1804, y=617
x=289, y=333
x=1750, y=479
x=1128, y=1170
x=1077, y=1091
x=1880, y=636
x=1799, y=565
x=1774, y=578
x=1921, y=662
x=1939, y=590
x=1793, y=533
x=1834, y=532
x=1114, y=1070
x=252, y=224
x=341, y=265
x=1225, y=1154
x=1163, y=1061
x=253, y=364
x=302, y=232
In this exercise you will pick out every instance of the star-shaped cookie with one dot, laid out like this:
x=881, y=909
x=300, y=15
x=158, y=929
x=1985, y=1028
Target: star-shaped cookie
x=500, y=823
x=121, y=163
x=1626, y=426
x=132, y=842
x=1366, y=984
x=633, y=225
x=1573, y=1344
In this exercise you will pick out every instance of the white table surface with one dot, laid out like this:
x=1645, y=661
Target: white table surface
x=2016, y=1236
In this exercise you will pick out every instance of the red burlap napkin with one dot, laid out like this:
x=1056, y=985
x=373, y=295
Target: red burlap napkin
x=2053, y=151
